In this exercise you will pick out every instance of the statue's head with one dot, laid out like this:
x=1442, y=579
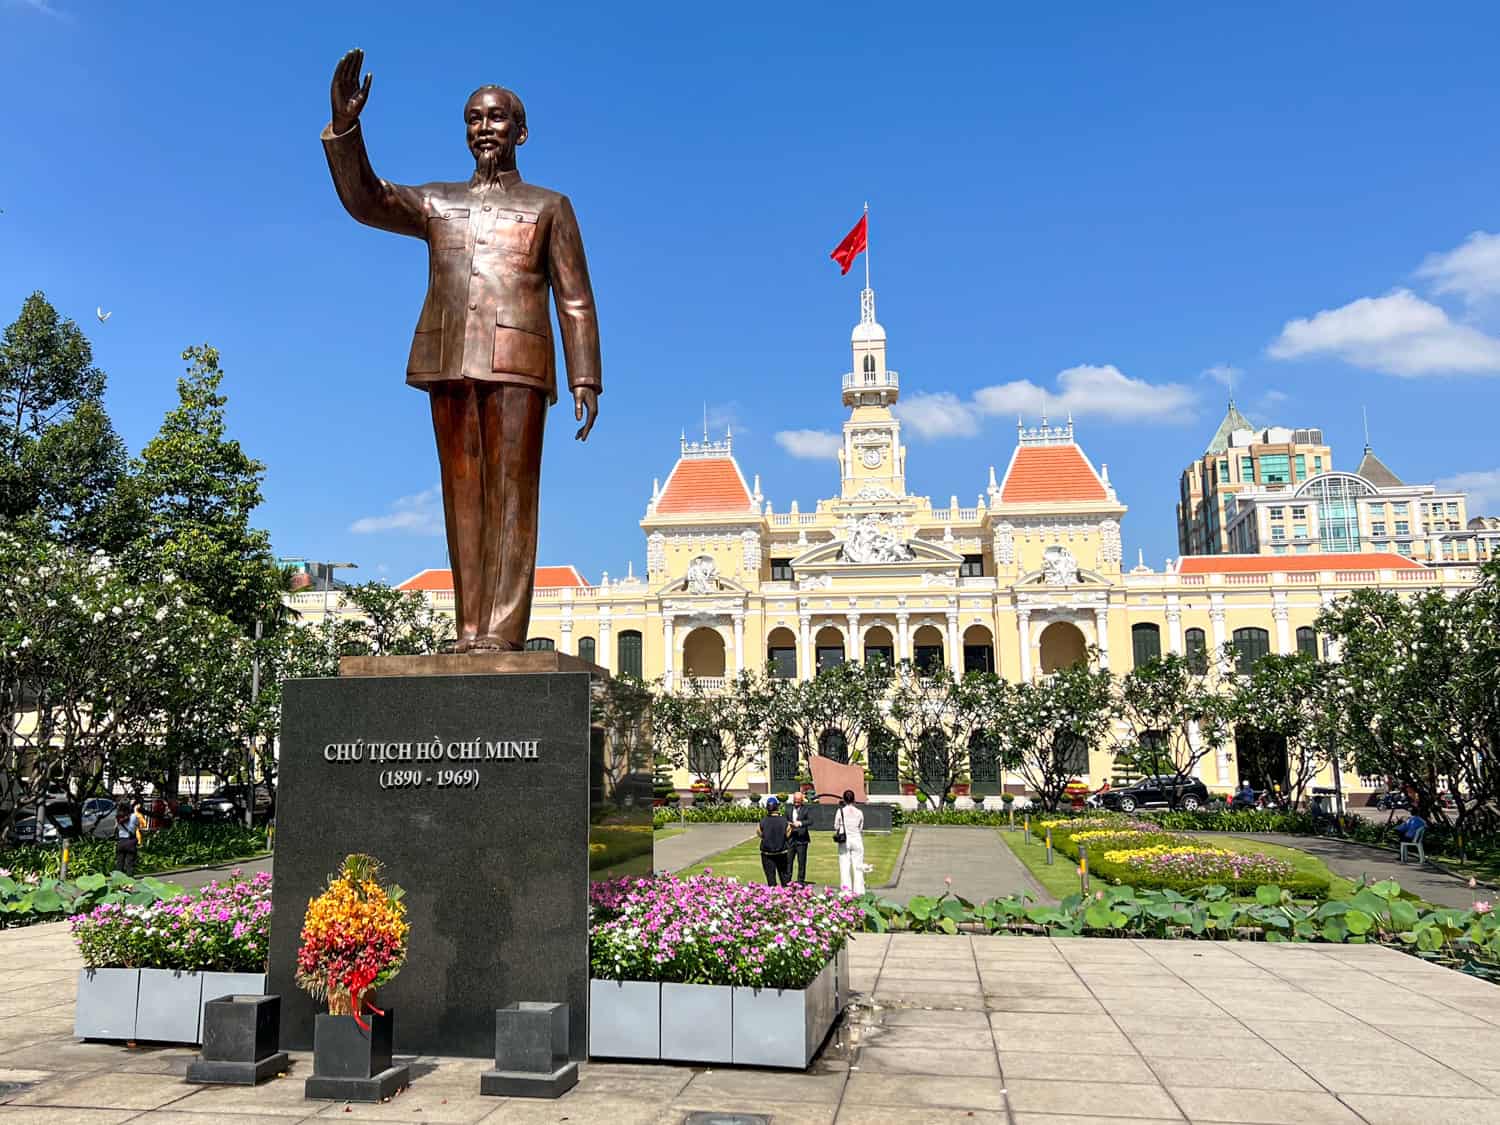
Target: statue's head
x=496, y=124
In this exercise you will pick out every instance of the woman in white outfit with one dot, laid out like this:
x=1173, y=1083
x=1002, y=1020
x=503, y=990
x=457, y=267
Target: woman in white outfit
x=850, y=822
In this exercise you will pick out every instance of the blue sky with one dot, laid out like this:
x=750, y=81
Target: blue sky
x=1111, y=204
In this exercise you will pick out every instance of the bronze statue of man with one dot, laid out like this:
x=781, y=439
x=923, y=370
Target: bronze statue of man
x=483, y=345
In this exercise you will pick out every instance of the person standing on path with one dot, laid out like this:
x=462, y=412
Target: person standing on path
x=775, y=856
x=849, y=835
x=800, y=836
x=127, y=836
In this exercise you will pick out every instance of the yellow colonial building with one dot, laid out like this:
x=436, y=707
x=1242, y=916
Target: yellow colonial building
x=1025, y=579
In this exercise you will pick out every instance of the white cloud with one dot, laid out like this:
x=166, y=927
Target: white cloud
x=1472, y=270
x=1483, y=488
x=1093, y=391
x=419, y=514
x=811, y=445
x=939, y=414
x=1223, y=373
x=1400, y=334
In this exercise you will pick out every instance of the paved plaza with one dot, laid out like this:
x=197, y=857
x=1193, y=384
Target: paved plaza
x=1024, y=1031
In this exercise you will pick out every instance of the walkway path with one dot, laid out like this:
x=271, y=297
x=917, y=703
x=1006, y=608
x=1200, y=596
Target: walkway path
x=1352, y=861
x=698, y=843
x=981, y=865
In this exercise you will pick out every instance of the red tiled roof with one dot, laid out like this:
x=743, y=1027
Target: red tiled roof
x=1265, y=564
x=1039, y=473
x=708, y=484
x=546, y=577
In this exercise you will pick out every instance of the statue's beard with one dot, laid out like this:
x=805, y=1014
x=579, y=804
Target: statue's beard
x=489, y=166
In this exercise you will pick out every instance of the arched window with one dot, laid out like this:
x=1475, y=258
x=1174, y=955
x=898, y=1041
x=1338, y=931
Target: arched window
x=540, y=644
x=628, y=647
x=1307, y=640
x=587, y=650
x=1197, y=651
x=832, y=744
x=1145, y=639
x=1250, y=644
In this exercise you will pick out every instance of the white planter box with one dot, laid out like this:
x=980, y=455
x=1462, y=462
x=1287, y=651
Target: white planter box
x=766, y=1022
x=106, y=1003
x=697, y=1023
x=624, y=1019
x=170, y=1006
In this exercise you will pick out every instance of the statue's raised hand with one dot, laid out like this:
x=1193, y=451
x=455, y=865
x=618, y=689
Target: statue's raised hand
x=348, y=95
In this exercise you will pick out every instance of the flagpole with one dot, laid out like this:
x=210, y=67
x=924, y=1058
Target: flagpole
x=867, y=244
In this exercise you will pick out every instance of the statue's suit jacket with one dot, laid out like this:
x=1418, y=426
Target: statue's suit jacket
x=493, y=252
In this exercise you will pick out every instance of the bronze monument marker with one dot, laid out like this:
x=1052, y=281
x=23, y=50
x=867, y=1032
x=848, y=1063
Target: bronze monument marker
x=483, y=344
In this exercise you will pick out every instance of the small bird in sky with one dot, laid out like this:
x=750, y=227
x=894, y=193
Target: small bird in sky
x=101, y=314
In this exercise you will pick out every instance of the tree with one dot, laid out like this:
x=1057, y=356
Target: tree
x=1048, y=726
x=392, y=623
x=61, y=462
x=1175, y=717
x=195, y=489
x=98, y=673
x=939, y=721
x=1291, y=696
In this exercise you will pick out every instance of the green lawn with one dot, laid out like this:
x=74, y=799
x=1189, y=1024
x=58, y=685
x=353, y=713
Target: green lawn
x=1062, y=877
x=743, y=860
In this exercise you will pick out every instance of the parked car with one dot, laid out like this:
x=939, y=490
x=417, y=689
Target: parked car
x=1178, y=791
x=57, y=826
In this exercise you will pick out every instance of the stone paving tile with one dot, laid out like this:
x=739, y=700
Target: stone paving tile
x=1083, y=1095
x=1056, y=1065
x=1265, y=1107
x=918, y=1091
x=944, y=1059
x=1242, y=1074
x=881, y=1115
x=1383, y=1109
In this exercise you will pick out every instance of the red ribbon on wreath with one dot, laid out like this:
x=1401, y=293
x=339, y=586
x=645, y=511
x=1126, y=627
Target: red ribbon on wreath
x=359, y=981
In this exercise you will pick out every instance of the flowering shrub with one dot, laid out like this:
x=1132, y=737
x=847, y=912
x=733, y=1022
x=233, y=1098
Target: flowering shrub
x=353, y=937
x=225, y=927
x=1174, y=863
x=711, y=930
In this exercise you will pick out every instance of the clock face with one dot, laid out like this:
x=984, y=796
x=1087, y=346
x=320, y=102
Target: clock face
x=871, y=458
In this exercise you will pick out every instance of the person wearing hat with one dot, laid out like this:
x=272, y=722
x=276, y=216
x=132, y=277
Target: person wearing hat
x=775, y=854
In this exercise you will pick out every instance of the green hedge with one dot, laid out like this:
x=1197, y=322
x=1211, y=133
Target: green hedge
x=182, y=845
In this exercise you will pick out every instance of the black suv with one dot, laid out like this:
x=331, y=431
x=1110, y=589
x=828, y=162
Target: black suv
x=1176, y=792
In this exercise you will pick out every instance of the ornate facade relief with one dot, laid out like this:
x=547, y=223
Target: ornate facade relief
x=1005, y=545
x=874, y=539
x=703, y=575
x=1110, y=550
x=1059, y=567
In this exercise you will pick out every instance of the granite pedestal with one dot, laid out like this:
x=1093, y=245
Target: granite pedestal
x=473, y=791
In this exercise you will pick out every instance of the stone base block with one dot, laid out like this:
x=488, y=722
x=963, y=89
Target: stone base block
x=374, y=1089
x=525, y=1084
x=217, y=1072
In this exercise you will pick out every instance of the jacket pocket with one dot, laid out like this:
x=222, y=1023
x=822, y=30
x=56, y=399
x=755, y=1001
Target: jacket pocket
x=518, y=352
x=427, y=344
x=449, y=230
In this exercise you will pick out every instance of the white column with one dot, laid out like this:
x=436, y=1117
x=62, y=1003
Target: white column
x=804, y=645
x=603, y=651
x=1023, y=624
x=903, y=637
x=955, y=650
x=1216, y=618
x=1101, y=634
x=1282, y=618
x=853, y=650
x=669, y=655
x=739, y=642
x=1174, y=625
